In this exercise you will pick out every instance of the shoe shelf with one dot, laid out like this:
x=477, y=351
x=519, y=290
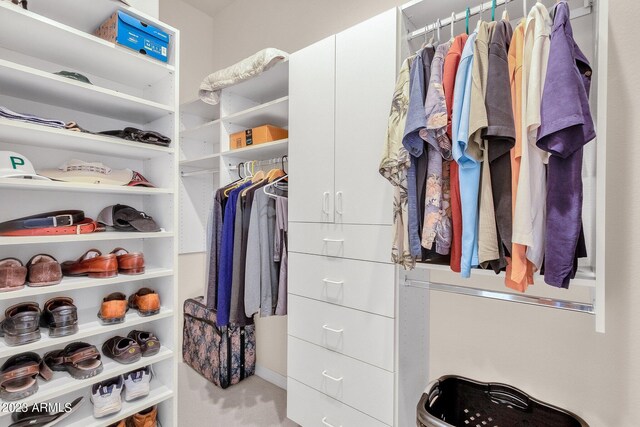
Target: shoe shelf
x=88, y=326
x=42, y=136
x=84, y=417
x=62, y=383
x=90, y=237
x=25, y=82
x=129, y=90
x=63, y=44
x=25, y=185
x=74, y=283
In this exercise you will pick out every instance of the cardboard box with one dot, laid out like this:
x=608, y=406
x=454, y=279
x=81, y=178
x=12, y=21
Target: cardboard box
x=255, y=136
x=130, y=32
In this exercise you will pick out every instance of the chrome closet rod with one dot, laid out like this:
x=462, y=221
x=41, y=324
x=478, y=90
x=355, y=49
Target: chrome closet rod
x=274, y=161
x=486, y=7
x=196, y=173
x=503, y=296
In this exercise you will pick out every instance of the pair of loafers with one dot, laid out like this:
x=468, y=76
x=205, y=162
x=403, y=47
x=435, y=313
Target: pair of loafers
x=23, y=321
x=41, y=270
x=96, y=265
x=131, y=348
x=114, y=306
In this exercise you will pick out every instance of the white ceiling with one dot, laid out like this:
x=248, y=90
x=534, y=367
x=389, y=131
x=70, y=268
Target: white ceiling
x=210, y=7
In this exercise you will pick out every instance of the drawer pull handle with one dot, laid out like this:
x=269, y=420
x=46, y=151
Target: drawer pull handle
x=325, y=203
x=333, y=282
x=324, y=421
x=337, y=331
x=324, y=374
x=339, y=202
x=333, y=240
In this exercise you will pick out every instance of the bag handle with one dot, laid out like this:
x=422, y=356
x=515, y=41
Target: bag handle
x=509, y=396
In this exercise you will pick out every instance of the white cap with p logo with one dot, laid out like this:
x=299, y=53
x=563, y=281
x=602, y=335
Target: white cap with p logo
x=14, y=165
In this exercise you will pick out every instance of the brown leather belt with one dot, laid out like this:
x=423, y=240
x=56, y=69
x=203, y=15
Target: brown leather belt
x=85, y=226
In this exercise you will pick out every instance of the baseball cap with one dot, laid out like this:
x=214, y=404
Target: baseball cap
x=14, y=165
x=126, y=218
x=88, y=172
x=74, y=76
x=137, y=180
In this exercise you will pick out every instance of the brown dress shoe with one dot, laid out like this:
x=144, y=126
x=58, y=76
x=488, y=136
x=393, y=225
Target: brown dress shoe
x=44, y=270
x=129, y=263
x=93, y=264
x=146, y=418
x=146, y=301
x=121, y=423
x=12, y=274
x=114, y=308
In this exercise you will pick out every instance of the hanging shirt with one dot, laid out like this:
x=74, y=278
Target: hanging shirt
x=414, y=145
x=488, y=253
x=280, y=252
x=214, y=242
x=529, y=218
x=225, y=275
x=437, y=203
x=566, y=126
x=519, y=273
x=465, y=155
x=451, y=63
x=500, y=133
x=394, y=165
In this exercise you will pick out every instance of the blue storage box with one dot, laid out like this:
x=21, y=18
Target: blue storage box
x=128, y=31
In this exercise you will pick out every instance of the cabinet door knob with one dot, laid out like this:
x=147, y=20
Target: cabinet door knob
x=324, y=374
x=325, y=203
x=335, y=331
x=324, y=421
x=339, y=202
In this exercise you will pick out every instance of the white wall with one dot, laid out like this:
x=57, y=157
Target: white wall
x=555, y=356
x=196, y=50
x=150, y=7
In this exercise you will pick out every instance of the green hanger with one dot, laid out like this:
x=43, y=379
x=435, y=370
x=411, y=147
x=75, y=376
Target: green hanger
x=493, y=10
x=467, y=19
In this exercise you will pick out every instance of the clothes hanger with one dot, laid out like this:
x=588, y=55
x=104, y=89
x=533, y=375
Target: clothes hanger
x=438, y=25
x=493, y=10
x=273, y=184
x=480, y=18
x=468, y=15
x=430, y=41
x=525, y=12
x=453, y=21
x=505, y=13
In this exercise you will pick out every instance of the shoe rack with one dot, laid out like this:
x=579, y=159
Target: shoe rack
x=128, y=89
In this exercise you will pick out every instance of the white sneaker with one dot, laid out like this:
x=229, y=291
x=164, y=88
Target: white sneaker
x=105, y=397
x=136, y=384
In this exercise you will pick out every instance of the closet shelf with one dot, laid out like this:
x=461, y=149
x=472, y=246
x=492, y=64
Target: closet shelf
x=62, y=383
x=270, y=85
x=90, y=237
x=61, y=44
x=47, y=88
x=73, y=283
x=205, y=162
x=84, y=418
x=201, y=109
x=584, y=278
x=208, y=132
x=37, y=185
x=261, y=151
x=89, y=325
x=275, y=113
x=14, y=132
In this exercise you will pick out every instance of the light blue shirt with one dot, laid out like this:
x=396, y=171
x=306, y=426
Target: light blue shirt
x=469, y=172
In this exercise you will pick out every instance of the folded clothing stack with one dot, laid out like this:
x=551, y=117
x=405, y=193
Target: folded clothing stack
x=29, y=118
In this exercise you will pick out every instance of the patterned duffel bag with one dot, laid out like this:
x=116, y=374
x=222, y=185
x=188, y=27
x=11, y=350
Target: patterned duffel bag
x=225, y=356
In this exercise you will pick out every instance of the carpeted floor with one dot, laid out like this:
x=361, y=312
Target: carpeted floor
x=252, y=403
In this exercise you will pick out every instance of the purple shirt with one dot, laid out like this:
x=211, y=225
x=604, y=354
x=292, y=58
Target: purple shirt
x=566, y=126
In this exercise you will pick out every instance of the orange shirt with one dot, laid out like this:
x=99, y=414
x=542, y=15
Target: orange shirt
x=520, y=270
x=451, y=62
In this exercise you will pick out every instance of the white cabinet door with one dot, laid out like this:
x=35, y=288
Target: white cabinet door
x=365, y=79
x=311, y=132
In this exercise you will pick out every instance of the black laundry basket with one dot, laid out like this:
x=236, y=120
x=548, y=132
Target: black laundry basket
x=461, y=402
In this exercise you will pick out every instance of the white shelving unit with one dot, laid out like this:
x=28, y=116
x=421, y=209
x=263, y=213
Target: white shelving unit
x=128, y=89
x=206, y=161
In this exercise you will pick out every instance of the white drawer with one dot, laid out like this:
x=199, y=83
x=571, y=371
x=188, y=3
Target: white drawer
x=362, y=285
x=363, y=336
x=358, y=384
x=310, y=408
x=365, y=242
